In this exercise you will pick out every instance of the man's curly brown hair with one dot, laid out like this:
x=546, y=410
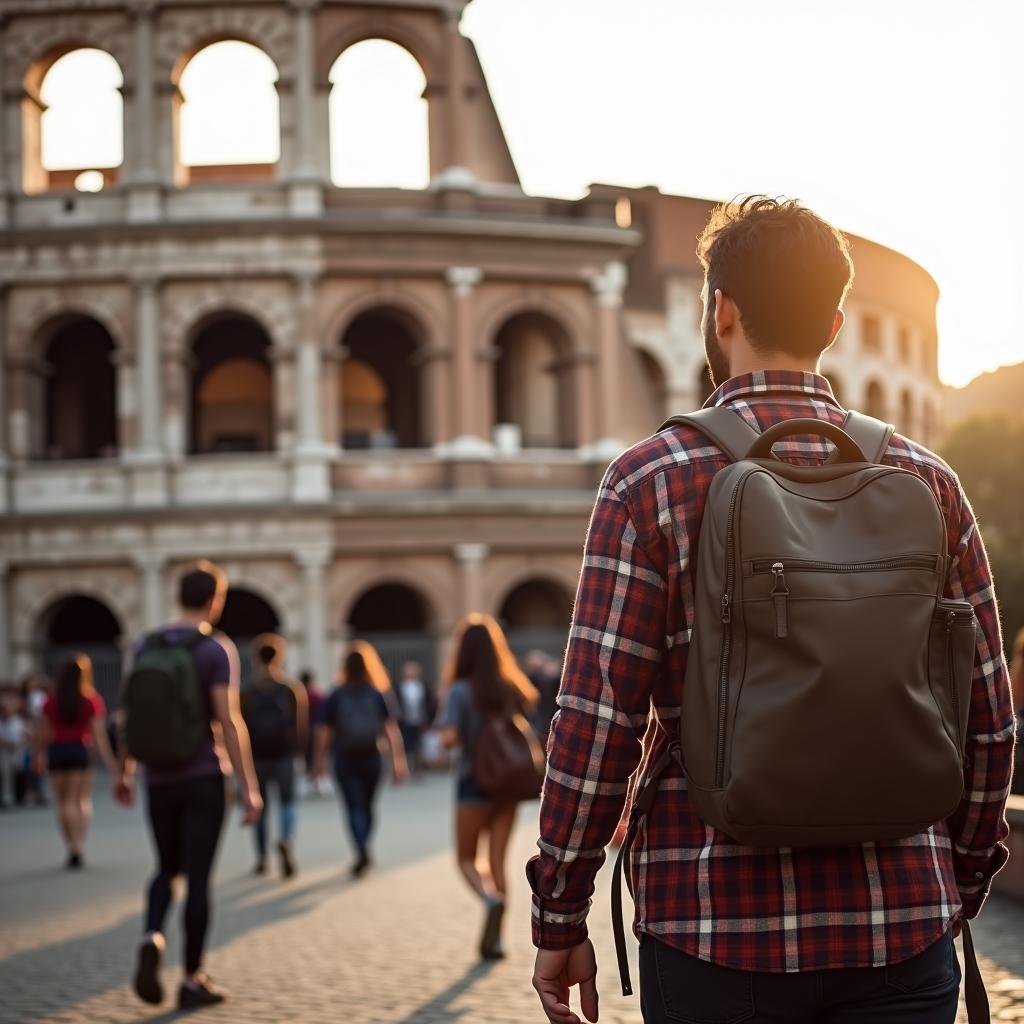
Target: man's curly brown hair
x=787, y=270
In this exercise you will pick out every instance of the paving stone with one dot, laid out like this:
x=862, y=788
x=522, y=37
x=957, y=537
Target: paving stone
x=396, y=947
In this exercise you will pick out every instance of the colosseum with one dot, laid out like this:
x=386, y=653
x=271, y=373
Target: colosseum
x=377, y=407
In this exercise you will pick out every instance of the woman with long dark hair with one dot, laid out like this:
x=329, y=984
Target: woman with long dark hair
x=73, y=721
x=356, y=716
x=483, y=679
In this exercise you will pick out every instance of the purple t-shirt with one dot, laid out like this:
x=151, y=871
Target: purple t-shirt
x=213, y=667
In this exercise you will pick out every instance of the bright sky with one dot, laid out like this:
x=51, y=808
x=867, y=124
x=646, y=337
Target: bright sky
x=897, y=119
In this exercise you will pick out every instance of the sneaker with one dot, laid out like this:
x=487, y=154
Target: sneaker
x=148, y=986
x=201, y=992
x=490, y=939
x=260, y=867
x=284, y=850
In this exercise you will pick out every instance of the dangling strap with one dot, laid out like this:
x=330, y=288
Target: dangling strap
x=974, y=986
x=642, y=803
x=724, y=427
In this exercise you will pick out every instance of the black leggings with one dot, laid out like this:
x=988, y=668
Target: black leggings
x=186, y=817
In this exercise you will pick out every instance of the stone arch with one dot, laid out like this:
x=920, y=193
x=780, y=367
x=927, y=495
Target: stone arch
x=536, y=614
x=187, y=314
x=389, y=28
x=655, y=381
x=875, y=400
x=182, y=35
x=498, y=313
x=436, y=593
x=429, y=323
x=35, y=177
x=503, y=580
x=45, y=320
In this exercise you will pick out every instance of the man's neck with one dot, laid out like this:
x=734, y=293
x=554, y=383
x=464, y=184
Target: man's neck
x=743, y=363
x=189, y=617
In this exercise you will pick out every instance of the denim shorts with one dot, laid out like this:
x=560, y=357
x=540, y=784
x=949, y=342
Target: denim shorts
x=467, y=791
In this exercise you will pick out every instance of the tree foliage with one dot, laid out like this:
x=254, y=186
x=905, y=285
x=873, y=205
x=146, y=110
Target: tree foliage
x=987, y=453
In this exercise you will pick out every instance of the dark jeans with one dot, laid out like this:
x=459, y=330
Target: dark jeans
x=681, y=989
x=278, y=772
x=358, y=778
x=186, y=817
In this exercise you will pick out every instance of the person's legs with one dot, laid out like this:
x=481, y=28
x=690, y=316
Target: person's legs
x=371, y=773
x=470, y=821
x=285, y=776
x=62, y=790
x=166, y=824
x=499, y=834
x=203, y=822
x=83, y=802
x=922, y=990
x=264, y=770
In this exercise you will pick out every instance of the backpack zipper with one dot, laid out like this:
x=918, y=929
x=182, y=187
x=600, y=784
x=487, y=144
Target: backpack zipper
x=779, y=593
x=951, y=617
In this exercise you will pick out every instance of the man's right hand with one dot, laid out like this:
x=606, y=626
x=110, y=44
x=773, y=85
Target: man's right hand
x=252, y=806
x=555, y=974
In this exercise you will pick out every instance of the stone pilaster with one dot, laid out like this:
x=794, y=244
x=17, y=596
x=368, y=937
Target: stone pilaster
x=142, y=392
x=151, y=570
x=142, y=176
x=6, y=655
x=6, y=120
x=313, y=564
x=308, y=177
x=471, y=559
x=312, y=456
x=608, y=288
x=471, y=432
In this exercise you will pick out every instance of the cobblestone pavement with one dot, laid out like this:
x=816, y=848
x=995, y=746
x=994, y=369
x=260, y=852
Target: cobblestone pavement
x=395, y=947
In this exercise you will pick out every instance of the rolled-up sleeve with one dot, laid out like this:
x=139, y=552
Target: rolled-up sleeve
x=612, y=663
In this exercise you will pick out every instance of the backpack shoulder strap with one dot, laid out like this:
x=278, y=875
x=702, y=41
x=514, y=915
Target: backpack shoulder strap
x=724, y=427
x=872, y=436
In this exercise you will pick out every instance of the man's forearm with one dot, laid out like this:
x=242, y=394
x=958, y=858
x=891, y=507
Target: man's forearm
x=236, y=740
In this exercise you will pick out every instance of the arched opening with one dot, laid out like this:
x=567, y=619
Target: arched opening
x=874, y=400
x=705, y=386
x=232, y=387
x=72, y=122
x=227, y=115
x=246, y=615
x=379, y=383
x=78, y=389
x=397, y=620
x=533, y=381
x=907, y=424
x=536, y=616
x=79, y=623
x=378, y=118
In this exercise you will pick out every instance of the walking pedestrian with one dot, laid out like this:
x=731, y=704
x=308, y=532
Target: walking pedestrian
x=73, y=722
x=12, y=746
x=358, y=714
x=786, y=616
x=276, y=715
x=182, y=721
x=315, y=703
x=412, y=695
x=483, y=680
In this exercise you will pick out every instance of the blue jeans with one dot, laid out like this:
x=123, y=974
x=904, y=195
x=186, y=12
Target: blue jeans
x=279, y=772
x=358, y=778
x=681, y=989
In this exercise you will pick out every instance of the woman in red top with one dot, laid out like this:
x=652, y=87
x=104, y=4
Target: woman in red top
x=73, y=720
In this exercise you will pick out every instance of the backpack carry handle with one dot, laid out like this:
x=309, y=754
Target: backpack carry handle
x=848, y=449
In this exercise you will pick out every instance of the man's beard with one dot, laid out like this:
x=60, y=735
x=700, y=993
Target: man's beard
x=718, y=362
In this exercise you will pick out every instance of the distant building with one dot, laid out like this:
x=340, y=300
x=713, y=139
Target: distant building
x=378, y=408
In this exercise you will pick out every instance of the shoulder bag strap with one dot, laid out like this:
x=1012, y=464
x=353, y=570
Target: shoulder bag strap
x=974, y=986
x=872, y=436
x=724, y=427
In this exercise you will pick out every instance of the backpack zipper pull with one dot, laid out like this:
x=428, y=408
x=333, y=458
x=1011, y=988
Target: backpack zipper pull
x=726, y=609
x=950, y=620
x=779, y=594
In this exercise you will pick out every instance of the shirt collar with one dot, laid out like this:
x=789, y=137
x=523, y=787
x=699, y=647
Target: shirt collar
x=761, y=382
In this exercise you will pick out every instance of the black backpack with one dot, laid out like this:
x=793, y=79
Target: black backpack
x=165, y=718
x=270, y=719
x=359, y=719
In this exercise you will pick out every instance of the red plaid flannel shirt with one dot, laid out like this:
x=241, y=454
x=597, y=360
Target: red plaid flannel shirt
x=695, y=889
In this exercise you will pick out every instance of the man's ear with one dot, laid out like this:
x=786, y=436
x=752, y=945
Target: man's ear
x=837, y=326
x=726, y=315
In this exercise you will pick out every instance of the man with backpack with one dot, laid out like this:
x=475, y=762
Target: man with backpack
x=813, y=629
x=277, y=717
x=181, y=720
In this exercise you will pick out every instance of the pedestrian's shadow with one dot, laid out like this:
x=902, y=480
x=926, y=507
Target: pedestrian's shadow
x=439, y=1008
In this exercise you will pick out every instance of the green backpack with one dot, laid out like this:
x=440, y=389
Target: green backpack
x=162, y=701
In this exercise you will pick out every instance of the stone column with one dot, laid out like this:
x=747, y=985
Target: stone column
x=314, y=565
x=608, y=288
x=175, y=365
x=283, y=362
x=472, y=435
x=312, y=455
x=471, y=559
x=7, y=181
x=6, y=666
x=5, y=464
x=124, y=360
x=151, y=569
x=25, y=384
x=435, y=365
x=330, y=397
x=147, y=348
x=305, y=189
x=143, y=176
x=582, y=383
x=457, y=121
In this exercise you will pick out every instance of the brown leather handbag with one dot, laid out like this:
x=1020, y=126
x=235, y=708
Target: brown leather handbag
x=508, y=763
